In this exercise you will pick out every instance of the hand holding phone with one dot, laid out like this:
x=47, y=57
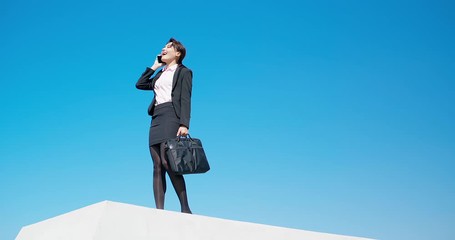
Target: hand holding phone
x=158, y=63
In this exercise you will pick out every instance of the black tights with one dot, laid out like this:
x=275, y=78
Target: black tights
x=160, y=167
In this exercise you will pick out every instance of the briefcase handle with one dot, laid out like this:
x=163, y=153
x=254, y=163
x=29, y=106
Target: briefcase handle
x=182, y=137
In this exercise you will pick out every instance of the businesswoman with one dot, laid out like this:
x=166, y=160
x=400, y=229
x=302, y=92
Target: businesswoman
x=170, y=110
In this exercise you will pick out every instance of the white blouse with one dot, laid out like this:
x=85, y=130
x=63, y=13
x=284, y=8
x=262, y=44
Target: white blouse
x=163, y=86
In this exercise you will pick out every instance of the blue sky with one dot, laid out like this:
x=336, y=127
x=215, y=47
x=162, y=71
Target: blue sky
x=331, y=116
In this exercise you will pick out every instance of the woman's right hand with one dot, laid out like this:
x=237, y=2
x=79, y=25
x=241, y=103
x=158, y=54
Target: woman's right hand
x=156, y=64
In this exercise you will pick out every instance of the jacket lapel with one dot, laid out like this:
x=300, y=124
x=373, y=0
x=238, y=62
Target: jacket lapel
x=176, y=76
x=156, y=78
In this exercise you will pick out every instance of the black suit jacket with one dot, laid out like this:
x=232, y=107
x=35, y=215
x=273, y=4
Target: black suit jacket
x=181, y=91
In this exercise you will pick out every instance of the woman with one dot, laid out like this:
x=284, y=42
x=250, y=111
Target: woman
x=170, y=110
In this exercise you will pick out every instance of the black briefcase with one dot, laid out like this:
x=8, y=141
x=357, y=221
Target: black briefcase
x=186, y=155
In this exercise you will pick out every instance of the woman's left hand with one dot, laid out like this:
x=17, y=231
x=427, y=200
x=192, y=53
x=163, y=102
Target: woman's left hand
x=183, y=131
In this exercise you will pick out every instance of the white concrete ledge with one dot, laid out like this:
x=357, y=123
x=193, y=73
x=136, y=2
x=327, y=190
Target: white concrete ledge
x=118, y=221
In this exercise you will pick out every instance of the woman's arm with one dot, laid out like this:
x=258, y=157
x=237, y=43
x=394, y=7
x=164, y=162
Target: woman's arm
x=185, y=98
x=144, y=82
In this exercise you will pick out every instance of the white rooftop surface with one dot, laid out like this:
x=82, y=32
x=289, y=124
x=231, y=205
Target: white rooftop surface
x=119, y=221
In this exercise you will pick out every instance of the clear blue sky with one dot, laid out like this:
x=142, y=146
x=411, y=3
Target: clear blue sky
x=331, y=116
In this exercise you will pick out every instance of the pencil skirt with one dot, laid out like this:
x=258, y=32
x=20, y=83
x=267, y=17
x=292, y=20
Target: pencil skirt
x=164, y=124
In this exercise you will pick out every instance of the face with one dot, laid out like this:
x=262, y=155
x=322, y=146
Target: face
x=168, y=53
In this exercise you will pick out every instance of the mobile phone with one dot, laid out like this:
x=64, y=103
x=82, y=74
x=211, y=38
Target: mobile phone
x=159, y=59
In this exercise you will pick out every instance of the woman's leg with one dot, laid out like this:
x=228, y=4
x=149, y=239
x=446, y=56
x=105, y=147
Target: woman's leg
x=178, y=182
x=159, y=177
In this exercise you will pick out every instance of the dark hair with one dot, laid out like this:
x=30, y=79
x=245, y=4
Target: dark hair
x=178, y=46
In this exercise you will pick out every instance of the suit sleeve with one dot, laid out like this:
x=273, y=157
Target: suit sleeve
x=185, y=100
x=144, y=82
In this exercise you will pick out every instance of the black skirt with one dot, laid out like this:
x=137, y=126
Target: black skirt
x=164, y=125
